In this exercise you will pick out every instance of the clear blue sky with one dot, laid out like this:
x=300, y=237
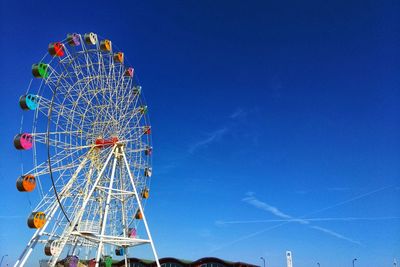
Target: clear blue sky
x=261, y=110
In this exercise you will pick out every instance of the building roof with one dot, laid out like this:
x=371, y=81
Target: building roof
x=188, y=263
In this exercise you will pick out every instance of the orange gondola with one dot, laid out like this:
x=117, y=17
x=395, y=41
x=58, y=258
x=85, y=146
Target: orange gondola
x=119, y=57
x=139, y=215
x=26, y=183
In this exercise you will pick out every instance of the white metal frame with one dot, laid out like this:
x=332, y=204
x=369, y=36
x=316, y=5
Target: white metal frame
x=86, y=96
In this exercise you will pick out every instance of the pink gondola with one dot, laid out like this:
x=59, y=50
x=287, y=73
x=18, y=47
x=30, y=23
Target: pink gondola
x=23, y=141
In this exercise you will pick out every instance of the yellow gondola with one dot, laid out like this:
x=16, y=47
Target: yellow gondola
x=105, y=45
x=145, y=193
x=37, y=220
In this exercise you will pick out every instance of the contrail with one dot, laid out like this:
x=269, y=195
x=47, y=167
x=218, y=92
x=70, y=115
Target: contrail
x=275, y=211
x=310, y=219
x=306, y=215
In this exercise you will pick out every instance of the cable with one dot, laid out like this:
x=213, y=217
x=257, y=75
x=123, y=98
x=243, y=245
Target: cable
x=49, y=158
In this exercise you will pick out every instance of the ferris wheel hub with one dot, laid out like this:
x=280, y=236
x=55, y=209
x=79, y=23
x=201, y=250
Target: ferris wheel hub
x=101, y=142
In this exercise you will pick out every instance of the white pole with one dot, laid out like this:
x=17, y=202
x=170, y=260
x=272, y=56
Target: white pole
x=104, y=221
x=140, y=207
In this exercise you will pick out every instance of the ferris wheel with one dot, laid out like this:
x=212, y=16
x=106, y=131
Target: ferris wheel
x=91, y=141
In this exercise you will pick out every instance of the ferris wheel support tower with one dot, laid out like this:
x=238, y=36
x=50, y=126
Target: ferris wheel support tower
x=118, y=155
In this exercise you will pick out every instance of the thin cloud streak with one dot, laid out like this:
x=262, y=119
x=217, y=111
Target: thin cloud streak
x=284, y=223
x=213, y=137
x=275, y=211
x=239, y=113
x=346, y=219
x=266, y=207
x=333, y=233
x=339, y=189
x=216, y=135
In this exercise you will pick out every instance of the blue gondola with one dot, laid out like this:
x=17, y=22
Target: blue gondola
x=29, y=102
x=120, y=251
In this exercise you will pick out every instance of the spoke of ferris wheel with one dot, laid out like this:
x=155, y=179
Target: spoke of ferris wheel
x=126, y=125
x=43, y=167
x=50, y=196
x=94, y=90
x=132, y=99
x=112, y=89
x=58, y=110
x=67, y=89
x=68, y=230
x=88, y=60
x=44, y=139
x=132, y=116
x=70, y=209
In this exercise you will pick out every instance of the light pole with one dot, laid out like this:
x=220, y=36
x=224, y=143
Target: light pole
x=2, y=258
x=263, y=260
x=319, y=265
x=354, y=261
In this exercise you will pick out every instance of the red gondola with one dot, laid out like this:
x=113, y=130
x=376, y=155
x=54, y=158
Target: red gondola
x=147, y=130
x=56, y=49
x=129, y=72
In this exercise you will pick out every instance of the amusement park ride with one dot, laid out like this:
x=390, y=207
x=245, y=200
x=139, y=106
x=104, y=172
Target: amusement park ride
x=92, y=149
